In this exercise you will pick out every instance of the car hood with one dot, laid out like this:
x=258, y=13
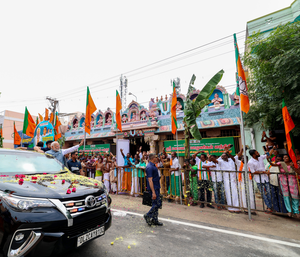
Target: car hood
x=57, y=186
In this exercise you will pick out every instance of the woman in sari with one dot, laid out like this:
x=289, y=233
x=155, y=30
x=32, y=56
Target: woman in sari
x=289, y=185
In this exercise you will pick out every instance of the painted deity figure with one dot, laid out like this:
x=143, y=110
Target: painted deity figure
x=92, y=122
x=152, y=109
x=143, y=115
x=76, y=124
x=133, y=116
x=100, y=121
x=178, y=106
x=236, y=99
x=217, y=100
x=109, y=119
x=124, y=118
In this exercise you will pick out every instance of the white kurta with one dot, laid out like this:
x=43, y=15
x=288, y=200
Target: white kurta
x=230, y=184
x=106, y=181
x=120, y=178
x=242, y=188
x=134, y=182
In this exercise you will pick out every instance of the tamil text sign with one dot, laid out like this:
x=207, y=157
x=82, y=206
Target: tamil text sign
x=211, y=145
x=102, y=148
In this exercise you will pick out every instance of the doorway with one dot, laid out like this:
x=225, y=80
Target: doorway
x=135, y=144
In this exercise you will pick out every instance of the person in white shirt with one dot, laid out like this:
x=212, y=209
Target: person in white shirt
x=175, y=178
x=229, y=178
x=257, y=167
x=204, y=183
x=217, y=180
x=239, y=161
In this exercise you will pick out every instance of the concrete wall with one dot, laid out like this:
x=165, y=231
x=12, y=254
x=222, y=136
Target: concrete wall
x=266, y=23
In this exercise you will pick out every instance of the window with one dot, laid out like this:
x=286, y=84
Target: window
x=229, y=133
x=203, y=134
x=170, y=137
x=22, y=162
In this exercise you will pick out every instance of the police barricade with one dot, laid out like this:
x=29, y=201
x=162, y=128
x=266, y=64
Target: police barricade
x=272, y=192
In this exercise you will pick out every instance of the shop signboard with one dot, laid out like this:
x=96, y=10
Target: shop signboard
x=211, y=145
x=101, y=148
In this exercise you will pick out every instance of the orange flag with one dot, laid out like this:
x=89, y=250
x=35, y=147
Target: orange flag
x=90, y=108
x=57, y=124
x=173, y=110
x=51, y=117
x=118, y=111
x=46, y=114
x=242, y=89
x=17, y=138
x=41, y=117
x=28, y=124
x=289, y=126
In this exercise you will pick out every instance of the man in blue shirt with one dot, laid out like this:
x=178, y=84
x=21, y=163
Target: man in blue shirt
x=153, y=186
x=74, y=165
x=126, y=179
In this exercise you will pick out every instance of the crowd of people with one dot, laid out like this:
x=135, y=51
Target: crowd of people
x=201, y=177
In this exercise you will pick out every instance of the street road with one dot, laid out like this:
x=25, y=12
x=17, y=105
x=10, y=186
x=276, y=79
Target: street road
x=129, y=235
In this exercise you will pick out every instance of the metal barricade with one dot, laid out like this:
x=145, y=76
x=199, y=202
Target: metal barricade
x=273, y=192
x=278, y=192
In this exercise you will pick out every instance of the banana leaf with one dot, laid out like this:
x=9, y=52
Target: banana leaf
x=202, y=98
x=193, y=108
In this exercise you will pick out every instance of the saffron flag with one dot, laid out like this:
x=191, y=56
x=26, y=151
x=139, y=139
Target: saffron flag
x=90, y=108
x=51, y=117
x=41, y=117
x=289, y=126
x=17, y=138
x=118, y=111
x=28, y=124
x=57, y=124
x=242, y=89
x=46, y=114
x=173, y=110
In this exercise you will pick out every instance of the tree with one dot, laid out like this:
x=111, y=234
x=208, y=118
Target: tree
x=194, y=107
x=274, y=65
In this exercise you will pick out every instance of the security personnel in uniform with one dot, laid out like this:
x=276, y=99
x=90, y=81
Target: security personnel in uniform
x=153, y=186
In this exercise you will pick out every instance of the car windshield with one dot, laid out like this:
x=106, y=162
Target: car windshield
x=22, y=162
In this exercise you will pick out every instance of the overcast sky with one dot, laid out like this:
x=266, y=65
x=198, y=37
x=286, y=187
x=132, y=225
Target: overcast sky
x=57, y=48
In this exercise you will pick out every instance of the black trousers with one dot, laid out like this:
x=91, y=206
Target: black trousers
x=205, y=185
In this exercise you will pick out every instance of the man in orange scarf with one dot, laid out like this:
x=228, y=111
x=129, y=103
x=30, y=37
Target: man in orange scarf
x=239, y=162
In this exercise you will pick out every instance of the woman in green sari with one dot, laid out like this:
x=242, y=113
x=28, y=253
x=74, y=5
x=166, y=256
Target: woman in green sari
x=194, y=181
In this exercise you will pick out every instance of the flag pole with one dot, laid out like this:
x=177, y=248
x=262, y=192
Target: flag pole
x=180, y=179
x=84, y=141
x=245, y=164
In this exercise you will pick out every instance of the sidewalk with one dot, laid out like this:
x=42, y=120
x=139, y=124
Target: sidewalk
x=261, y=223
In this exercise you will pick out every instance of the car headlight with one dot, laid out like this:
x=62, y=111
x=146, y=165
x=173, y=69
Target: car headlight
x=25, y=204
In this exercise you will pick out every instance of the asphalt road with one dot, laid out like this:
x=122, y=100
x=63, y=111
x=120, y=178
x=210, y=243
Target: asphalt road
x=130, y=236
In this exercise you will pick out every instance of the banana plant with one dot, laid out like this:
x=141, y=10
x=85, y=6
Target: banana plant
x=193, y=108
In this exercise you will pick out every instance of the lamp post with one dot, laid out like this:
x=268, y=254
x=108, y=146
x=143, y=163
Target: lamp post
x=133, y=95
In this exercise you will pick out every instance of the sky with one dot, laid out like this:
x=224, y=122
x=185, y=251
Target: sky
x=58, y=48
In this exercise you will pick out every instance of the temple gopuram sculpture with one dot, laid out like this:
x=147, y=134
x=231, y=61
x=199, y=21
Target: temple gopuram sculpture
x=124, y=118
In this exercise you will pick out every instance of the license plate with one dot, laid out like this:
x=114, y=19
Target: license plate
x=90, y=235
